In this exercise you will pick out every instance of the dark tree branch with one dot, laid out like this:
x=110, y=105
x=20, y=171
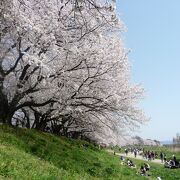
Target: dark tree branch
x=33, y=104
x=17, y=61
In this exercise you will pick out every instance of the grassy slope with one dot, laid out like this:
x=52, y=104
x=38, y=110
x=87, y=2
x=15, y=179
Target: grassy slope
x=28, y=154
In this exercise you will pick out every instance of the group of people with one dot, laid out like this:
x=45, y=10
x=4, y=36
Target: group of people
x=150, y=155
x=127, y=162
x=172, y=163
x=143, y=169
x=132, y=150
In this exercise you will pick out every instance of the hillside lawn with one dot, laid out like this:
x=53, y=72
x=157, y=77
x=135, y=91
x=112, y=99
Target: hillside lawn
x=29, y=154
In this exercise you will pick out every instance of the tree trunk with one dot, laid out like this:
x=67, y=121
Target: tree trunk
x=6, y=112
x=40, y=121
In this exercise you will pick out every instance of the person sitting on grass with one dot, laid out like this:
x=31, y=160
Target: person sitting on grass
x=166, y=164
x=175, y=161
x=122, y=158
x=130, y=164
x=174, y=158
x=142, y=171
x=146, y=166
x=169, y=164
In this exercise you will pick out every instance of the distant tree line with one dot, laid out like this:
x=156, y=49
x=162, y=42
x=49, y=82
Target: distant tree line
x=176, y=140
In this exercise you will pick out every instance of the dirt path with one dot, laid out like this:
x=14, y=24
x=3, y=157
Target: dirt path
x=131, y=155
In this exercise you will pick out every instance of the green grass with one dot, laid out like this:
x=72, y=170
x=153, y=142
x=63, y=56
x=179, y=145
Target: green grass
x=157, y=170
x=29, y=154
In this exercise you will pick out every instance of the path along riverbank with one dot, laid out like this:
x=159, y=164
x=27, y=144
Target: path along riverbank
x=131, y=155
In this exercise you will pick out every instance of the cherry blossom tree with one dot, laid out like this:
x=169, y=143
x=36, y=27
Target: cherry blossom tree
x=34, y=34
x=63, y=65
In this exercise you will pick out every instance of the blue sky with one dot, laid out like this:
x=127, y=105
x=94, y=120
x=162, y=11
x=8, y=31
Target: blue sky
x=154, y=37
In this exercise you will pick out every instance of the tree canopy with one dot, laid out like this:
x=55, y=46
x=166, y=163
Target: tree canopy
x=64, y=67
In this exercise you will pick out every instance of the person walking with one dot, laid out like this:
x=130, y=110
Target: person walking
x=161, y=157
x=135, y=153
